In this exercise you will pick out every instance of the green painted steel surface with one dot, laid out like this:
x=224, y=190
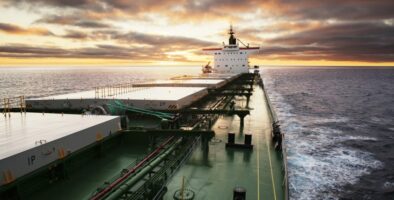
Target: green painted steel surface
x=87, y=172
x=257, y=170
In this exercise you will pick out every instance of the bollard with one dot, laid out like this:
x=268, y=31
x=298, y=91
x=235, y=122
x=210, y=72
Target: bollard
x=239, y=193
x=248, y=139
x=231, y=138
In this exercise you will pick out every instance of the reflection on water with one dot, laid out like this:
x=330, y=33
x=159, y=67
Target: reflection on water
x=38, y=82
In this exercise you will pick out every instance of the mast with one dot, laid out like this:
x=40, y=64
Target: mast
x=232, y=40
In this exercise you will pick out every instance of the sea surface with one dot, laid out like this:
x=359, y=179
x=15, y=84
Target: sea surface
x=339, y=130
x=339, y=122
x=39, y=82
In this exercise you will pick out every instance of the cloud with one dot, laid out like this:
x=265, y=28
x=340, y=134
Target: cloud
x=303, y=29
x=14, y=29
x=138, y=38
x=372, y=42
x=91, y=24
x=58, y=19
x=23, y=50
x=159, y=40
x=103, y=51
x=197, y=9
x=130, y=45
x=72, y=20
x=57, y=3
x=336, y=9
x=145, y=54
x=73, y=34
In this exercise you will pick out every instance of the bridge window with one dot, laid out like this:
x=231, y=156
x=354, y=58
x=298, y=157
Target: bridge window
x=226, y=65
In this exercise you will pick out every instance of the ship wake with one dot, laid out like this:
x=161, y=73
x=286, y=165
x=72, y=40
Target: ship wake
x=319, y=162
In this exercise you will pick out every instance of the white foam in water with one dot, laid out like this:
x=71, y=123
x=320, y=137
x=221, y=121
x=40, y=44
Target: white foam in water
x=388, y=185
x=375, y=119
x=381, y=121
x=319, y=165
x=361, y=138
x=332, y=119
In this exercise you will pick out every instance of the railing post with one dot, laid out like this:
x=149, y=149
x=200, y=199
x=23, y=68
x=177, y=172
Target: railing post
x=9, y=107
x=4, y=108
x=21, y=103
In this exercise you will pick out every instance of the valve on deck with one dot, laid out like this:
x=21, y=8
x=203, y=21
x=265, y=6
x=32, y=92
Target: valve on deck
x=186, y=194
x=183, y=193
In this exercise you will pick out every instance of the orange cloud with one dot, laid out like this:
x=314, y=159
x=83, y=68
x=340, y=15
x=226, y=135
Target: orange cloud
x=304, y=30
x=13, y=29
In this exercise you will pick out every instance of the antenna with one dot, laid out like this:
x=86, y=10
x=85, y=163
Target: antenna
x=231, y=32
x=247, y=46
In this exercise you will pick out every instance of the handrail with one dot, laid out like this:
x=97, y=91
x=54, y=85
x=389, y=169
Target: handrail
x=113, y=90
x=274, y=118
x=7, y=104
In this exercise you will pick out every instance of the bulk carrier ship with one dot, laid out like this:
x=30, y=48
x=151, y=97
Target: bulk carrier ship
x=212, y=136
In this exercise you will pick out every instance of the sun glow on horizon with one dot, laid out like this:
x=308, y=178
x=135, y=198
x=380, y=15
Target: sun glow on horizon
x=139, y=33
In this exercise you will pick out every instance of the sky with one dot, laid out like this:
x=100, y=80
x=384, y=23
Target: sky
x=173, y=32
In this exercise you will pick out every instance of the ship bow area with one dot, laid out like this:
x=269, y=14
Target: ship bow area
x=256, y=168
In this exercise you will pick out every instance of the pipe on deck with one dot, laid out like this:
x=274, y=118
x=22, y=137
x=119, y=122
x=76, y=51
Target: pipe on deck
x=107, y=190
x=129, y=183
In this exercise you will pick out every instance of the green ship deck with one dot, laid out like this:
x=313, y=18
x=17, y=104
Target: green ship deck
x=259, y=170
x=210, y=175
x=88, y=170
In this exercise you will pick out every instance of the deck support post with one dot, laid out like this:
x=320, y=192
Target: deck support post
x=241, y=117
x=247, y=99
x=205, y=146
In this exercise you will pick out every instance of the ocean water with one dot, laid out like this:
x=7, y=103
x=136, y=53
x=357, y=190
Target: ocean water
x=38, y=82
x=339, y=123
x=339, y=129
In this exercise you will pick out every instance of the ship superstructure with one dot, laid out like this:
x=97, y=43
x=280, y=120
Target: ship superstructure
x=231, y=58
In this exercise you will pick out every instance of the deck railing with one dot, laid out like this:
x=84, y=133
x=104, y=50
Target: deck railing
x=113, y=90
x=274, y=118
x=9, y=104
